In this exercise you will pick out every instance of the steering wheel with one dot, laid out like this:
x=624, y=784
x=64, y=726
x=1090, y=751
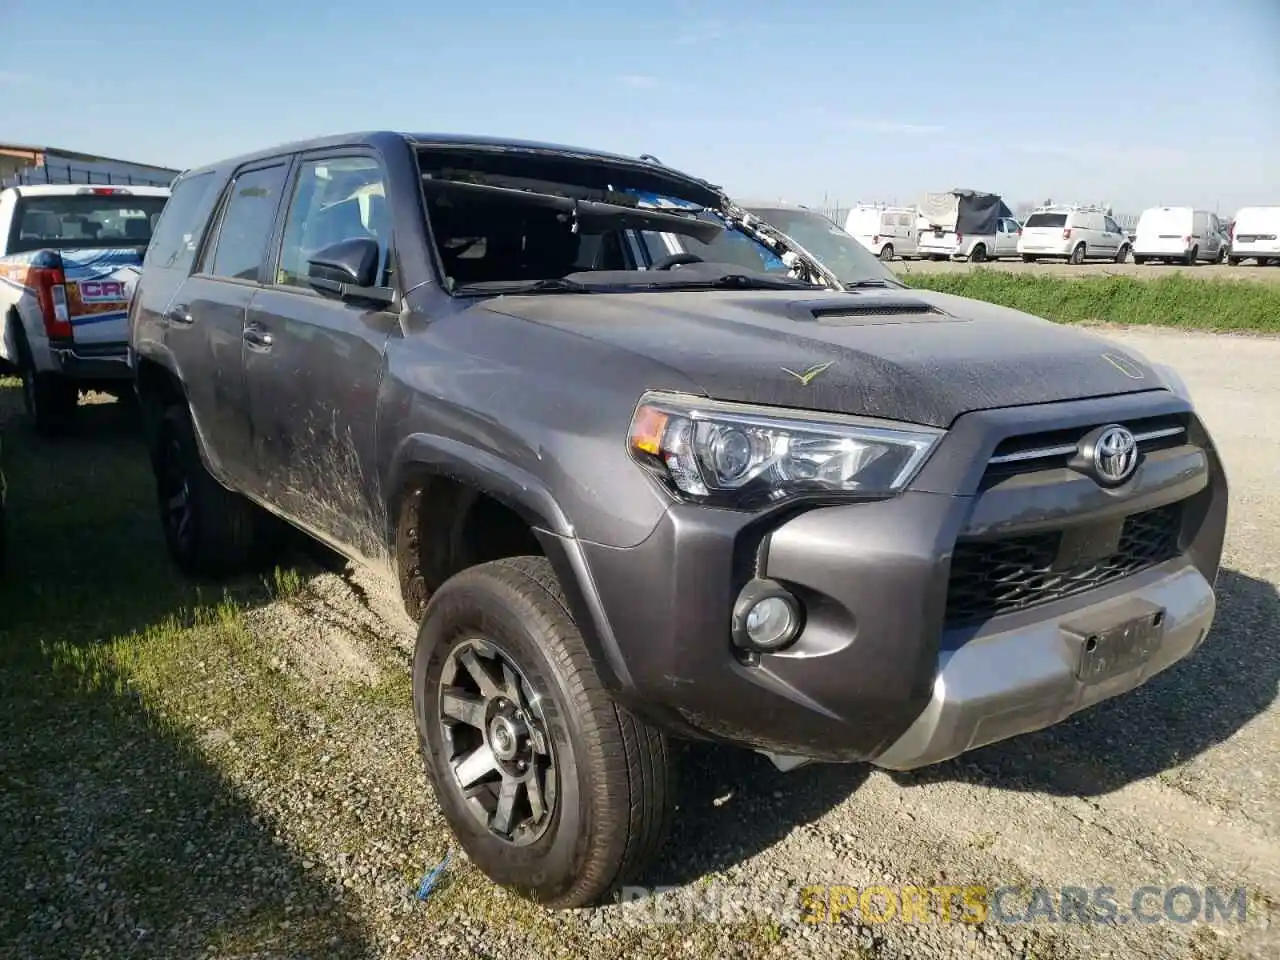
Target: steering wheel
x=676, y=260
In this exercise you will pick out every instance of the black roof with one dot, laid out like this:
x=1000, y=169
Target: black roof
x=386, y=138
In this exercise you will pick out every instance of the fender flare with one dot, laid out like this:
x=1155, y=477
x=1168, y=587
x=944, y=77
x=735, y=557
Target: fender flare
x=422, y=454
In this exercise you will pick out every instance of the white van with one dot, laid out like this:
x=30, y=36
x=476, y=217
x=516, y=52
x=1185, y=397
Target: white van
x=1074, y=234
x=886, y=231
x=1256, y=234
x=1180, y=234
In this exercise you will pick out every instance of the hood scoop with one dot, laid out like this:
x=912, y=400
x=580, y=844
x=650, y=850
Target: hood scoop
x=864, y=309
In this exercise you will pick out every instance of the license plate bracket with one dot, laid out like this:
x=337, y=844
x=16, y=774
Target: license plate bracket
x=1109, y=643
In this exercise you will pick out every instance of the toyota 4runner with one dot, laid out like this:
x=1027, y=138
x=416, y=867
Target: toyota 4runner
x=816, y=514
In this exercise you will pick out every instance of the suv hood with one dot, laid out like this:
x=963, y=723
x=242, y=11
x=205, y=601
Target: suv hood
x=908, y=355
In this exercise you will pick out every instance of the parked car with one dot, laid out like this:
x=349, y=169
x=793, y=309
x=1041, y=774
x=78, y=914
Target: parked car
x=968, y=225
x=633, y=499
x=1256, y=235
x=1178, y=234
x=1074, y=234
x=887, y=232
x=69, y=257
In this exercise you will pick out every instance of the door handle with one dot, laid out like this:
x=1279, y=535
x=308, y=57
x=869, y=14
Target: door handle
x=258, y=338
x=179, y=314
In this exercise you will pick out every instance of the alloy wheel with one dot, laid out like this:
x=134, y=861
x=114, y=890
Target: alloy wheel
x=499, y=752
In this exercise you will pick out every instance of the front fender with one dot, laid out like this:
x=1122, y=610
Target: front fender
x=470, y=465
x=534, y=503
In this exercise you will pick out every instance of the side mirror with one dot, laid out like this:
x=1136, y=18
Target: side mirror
x=349, y=263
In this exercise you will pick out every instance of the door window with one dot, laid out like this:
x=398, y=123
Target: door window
x=334, y=199
x=1112, y=226
x=246, y=223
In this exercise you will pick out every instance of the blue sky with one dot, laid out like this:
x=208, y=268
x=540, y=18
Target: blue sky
x=1128, y=101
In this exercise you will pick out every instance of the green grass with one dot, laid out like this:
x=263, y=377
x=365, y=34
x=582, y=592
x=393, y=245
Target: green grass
x=1170, y=301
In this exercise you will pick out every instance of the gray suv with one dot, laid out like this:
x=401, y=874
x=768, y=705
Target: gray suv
x=634, y=496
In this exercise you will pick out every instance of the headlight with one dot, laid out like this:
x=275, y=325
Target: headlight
x=740, y=455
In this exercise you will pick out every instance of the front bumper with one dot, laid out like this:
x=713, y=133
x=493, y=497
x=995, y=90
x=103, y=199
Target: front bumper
x=877, y=674
x=1024, y=678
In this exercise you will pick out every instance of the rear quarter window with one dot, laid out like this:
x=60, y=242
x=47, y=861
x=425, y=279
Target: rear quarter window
x=177, y=233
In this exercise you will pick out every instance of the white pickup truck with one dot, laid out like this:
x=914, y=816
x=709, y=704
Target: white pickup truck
x=69, y=260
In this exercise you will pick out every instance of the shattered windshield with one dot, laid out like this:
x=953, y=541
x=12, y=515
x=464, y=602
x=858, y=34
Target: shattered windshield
x=839, y=252
x=553, y=225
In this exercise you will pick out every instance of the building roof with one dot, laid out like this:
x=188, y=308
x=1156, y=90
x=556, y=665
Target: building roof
x=19, y=156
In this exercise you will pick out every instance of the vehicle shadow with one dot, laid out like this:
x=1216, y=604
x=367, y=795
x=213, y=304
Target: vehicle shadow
x=735, y=804
x=1174, y=717
x=119, y=837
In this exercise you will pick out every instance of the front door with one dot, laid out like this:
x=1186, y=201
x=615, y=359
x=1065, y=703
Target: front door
x=314, y=363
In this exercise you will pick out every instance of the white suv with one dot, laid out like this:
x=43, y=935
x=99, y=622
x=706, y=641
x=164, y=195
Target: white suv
x=1075, y=234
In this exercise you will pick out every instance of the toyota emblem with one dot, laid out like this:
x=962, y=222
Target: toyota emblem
x=1115, y=455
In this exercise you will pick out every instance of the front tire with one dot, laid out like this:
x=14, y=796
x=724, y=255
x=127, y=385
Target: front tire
x=209, y=530
x=551, y=787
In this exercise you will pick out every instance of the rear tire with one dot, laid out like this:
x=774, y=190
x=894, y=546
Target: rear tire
x=610, y=775
x=1077, y=255
x=1029, y=258
x=978, y=254
x=209, y=530
x=1122, y=255
x=886, y=252
x=50, y=398
x=1233, y=261
x=1192, y=257
x=1139, y=259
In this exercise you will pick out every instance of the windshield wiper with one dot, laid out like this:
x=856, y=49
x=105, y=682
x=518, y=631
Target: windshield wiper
x=549, y=285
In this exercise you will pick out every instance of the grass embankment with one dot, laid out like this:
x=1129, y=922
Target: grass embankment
x=1172, y=301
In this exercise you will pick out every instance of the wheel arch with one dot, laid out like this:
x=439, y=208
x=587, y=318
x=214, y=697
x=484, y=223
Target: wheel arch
x=437, y=485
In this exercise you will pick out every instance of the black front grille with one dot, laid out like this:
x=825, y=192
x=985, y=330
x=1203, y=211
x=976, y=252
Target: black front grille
x=992, y=577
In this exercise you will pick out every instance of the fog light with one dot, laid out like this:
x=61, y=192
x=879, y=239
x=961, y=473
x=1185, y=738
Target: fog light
x=766, y=617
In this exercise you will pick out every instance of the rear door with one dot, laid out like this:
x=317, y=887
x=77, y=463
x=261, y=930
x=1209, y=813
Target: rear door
x=204, y=323
x=1007, y=237
x=314, y=363
x=1043, y=232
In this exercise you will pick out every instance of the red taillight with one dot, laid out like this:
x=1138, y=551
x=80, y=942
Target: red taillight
x=1066, y=234
x=1187, y=241
x=102, y=191
x=51, y=293
x=959, y=237
x=876, y=238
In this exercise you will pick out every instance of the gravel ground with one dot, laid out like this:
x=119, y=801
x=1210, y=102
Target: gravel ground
x=1053, y=268
x=245, y=782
